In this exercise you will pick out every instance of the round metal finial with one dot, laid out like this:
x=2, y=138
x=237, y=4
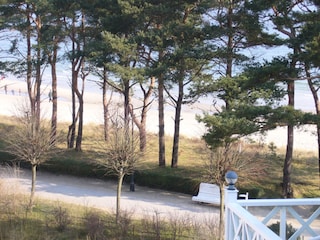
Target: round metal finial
x=231, y=178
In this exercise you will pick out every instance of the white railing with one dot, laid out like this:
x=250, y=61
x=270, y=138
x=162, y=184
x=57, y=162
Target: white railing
x=241, y=224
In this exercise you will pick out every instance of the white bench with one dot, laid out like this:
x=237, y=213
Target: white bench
x=208, y=193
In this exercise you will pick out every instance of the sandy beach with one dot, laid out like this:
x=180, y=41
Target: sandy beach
x=305, y=137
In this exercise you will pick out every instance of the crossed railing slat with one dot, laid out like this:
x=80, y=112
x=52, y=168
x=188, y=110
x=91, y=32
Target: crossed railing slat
x=284, y=206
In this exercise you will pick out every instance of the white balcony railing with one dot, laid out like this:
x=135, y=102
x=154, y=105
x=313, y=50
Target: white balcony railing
x=241, y=224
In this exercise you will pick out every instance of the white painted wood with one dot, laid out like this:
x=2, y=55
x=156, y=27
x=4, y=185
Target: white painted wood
x=208, y=193
x=241, y=224
x=248, y=226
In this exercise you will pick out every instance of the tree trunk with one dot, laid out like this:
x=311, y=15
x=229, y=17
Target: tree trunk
x=54, y=115
x=318, y=135
x=230, y=43
x=72, y=126
x=33, y=185
x=74, y=79
x=80, y=68
x=79, y=94
x=80, y=125
x=290, y=32
x=30, y=86
x=317, y=106
x=76, y=64
x=38, y=71
x=162, y=152
x=126, y=94
x=143, y=136
x=286, y=187
x=105, y=103
x=176, y=135
x=142, y=124
x=119, y=188
x=221, y=216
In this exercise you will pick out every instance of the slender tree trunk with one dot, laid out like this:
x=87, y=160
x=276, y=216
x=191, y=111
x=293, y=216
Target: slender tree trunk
x=287, y=168
x=141, y=127
x=318, y=135
x=33, y=185
x=38, y=70
x=230, y=47
x=77, y=116
x=105, y=115
x=287, y=188
x=221, y=216
x=290, y=32
x=230, y=41
x=74, y=79
x=105, y=106
x=177, y=120
x=80, y=125
x=142, y=124
x=162, y=149
x=126, y=94
x=72, y=126
x=119, y=189
x=143, y=136
x=317, y=106
x=31, y=93
x=80, y=94
x=54, y=116
x=77, y=63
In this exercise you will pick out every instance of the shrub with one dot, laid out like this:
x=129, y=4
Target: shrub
x=61, y=218
x=94, y=226
x=275, y=227
x=160, y=180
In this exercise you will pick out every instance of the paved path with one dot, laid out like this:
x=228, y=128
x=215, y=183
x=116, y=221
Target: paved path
x=102, y=195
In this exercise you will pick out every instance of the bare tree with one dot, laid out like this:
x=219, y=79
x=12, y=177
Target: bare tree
x=121, y=155
x=31, y=140
x=230, y=156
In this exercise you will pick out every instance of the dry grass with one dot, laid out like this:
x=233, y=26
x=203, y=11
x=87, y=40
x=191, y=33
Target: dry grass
x=13, y=199
x=193, y=153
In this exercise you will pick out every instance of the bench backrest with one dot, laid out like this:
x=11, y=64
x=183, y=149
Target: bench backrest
x=209, y=188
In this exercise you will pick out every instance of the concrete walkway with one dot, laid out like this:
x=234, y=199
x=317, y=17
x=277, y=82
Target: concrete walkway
x=102, y=195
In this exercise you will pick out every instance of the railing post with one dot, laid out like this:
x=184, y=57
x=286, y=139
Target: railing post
x=230, y=196
x=283, y=223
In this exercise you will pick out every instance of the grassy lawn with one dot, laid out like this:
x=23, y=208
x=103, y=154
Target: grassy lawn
x=192, y=155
